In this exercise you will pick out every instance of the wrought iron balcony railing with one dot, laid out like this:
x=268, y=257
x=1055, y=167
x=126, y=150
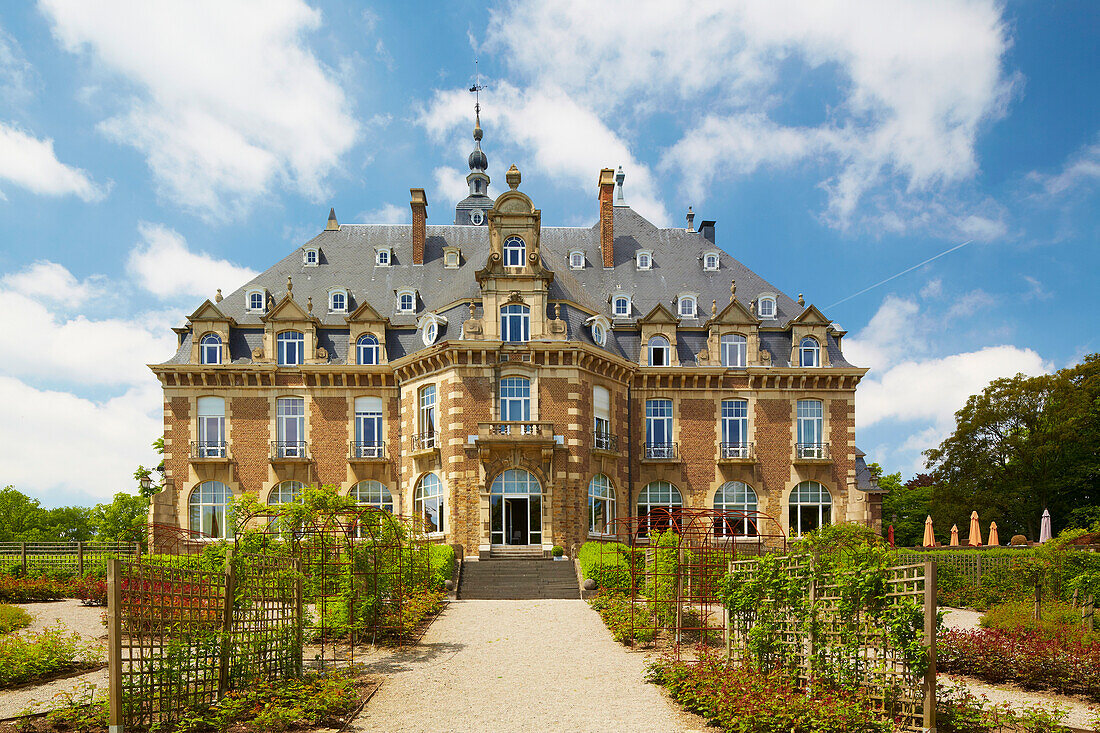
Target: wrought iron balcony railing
x=367, y=450
x=425, y=441
x=289, y=450
x=812, y=451
x=662, y=451
x=605, y=441
x=206, y=450
x=736, y=452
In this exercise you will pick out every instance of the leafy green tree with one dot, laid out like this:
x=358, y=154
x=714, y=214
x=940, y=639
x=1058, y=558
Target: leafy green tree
x=906, y=506
x=70, y=524
x=22, y=519
x=147, y=473
x=123, y=520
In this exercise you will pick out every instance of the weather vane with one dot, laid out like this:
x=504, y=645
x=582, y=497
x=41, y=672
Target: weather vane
x=476, y=89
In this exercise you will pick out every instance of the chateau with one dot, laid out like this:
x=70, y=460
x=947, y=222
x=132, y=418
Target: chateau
x=510, y=383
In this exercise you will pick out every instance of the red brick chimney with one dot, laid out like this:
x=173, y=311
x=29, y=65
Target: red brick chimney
x=607, y=204
x=419, y=205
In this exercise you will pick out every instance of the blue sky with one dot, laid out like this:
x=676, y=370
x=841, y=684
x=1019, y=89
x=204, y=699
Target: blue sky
x=152, y=153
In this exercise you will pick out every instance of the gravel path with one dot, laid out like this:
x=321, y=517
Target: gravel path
x=547, y=665
x=961, y=618
x=86, y=620
x=1019, y=698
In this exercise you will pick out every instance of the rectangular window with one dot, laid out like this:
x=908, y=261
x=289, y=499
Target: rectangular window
x=735, y=428
x=811, y=429
x=368, y=427
x=427, y=416
x=601, y=400
x=291, y=348
x=290, y=427
x=658, y=429
x=515, y=399
x=211, y=431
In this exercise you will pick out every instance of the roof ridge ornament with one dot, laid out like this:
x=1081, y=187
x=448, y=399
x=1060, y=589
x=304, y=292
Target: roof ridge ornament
x=289, y=287
x=513, y=177
x=801, y=301
x=733, y=288
x=332, y=225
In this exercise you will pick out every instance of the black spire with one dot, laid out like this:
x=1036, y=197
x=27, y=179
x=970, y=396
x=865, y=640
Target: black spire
x=472, y=209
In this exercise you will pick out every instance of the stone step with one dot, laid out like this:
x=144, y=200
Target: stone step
x=511, y=579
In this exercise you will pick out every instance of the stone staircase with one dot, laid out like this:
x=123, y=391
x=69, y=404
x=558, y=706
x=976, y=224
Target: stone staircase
x=517, y=580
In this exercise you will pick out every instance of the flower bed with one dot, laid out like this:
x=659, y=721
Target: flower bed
x=13, y=619
x=22, y=589
x=1064, y=664
x=54, y=651
x=615, y=610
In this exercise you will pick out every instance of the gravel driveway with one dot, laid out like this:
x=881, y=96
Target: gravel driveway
x=547, y=665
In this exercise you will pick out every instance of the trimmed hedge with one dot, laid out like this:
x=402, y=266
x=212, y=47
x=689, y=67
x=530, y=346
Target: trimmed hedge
x=441, y=559
x=608, y=563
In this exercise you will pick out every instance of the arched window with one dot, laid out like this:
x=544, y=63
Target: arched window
x=285, y=493
x=515, y=323
x=515, y=252
x=710, y=262
x=659, y=505
x=735, y=500
x=515, y=399
x=811, y=429
x=809, y=352
x=659, y=351
x=734, y=350
x=366, y=349
x=765, y=307
x=576, y=260
x=406, y=301
x=211, y=442
x=207, y=508
x=372, y=493
x=290, y=347
x=810, y=507
x=621, y=306
x=338, y=301
x=687, y=306
x=311, y=257
x=256, y=301
x=428, y=503
x=210, y=349
x=601, y=505
x=368, y=428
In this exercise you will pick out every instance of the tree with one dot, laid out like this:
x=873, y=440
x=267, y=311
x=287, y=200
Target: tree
x=909, y=503
x=147, y=473
x=123, y=520
x=70, y=524
x=22, y=519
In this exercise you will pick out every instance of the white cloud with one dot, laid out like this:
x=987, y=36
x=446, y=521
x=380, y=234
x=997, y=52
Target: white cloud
x=386, y=214
x=1080, y=171
x=56, y=443
x=450, y=184
x=16, y=73
x=50, y=281
x=163, y=265
x=932, y=289
x=918, y=80
x=970, y=303
x=32, y=164
x=890, y=336
x=227, y=100
x=566, y=141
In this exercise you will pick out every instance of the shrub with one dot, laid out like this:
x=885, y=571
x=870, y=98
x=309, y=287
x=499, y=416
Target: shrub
x=55, y=650
x=30, y=589
x=960, y=711
x=608, y=563
x=91, y=590
x=417, y=606
x=441, y=559
x=627, y=622
x=13, y=619
x=663, y=575
x=558, y=551
x=1058, y=620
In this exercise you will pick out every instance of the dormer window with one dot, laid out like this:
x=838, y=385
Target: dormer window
x=598, y=326
x=576, y=260
x=515, y=252
x=311, y=257
x=686, y=307
x=809, y=352
x=382, y=257
x=431, y=333
x=210, y=349
x=710, y=262
x=338, y=301
x=406, y=301
x=452, y=258
x=620, y=306
x=476, y=217
x=644, y=260
x=765, y=306
x=659, y=351
x=429, y=326
x=255, y=301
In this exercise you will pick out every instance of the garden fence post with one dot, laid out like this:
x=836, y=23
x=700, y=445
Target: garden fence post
x=137, y=551
x=114, y=643
x=227, y=623
x=1038, y=601
x=298, y=615
x=979, y=556
x=930, y=608
x=728, y=620
x=80, y=558
x=23, y=557
x=1088, y=611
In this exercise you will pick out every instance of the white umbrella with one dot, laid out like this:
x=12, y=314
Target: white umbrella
x=1044, y=527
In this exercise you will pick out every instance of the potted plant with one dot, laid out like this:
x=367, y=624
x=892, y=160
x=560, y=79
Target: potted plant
x=558, y=552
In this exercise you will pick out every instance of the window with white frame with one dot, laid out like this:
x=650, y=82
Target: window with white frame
x=286, y=492
x=368, y=428
x=576, y=260
x=428, y=503
x=660, y=353
x=515, y=252
x=659, y=505
x=210, y=349
x=601, y=505
x=658, y=429
x=734, y=350
x=290, y=348
x=290, y=427
x=599, y=333
x=430, y=333
x=311, y=257
x=686, y=306
x=765, y=306
x=338, y=301
x=737, y=502
x=426, y=399
x=710, y=261
x=372, y=493
x=809, y=352
x=811, y=429
x=515, y=323
x=601, y=409
x=810, y=507
x=735, y=428
x=450, y=259
x=366, y=349
x=620, y=306
x=211, y=428
x=515, y=399
x=644, y=260
x=406, y=301
x=382, y=258
x=208, y=510
x=255, y=301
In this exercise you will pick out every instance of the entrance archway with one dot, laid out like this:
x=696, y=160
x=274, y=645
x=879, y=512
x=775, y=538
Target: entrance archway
x=515, y=509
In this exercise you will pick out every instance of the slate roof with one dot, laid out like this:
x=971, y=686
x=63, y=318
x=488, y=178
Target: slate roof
x=865, y=480
x=347, y=260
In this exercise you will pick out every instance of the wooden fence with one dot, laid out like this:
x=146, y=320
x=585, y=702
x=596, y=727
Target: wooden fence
x=842, y=645
x=972, y=565
x=65, y=557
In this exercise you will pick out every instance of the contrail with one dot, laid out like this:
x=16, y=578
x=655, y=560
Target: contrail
x=892, y=277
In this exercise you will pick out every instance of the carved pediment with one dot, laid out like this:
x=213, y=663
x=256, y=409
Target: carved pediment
x=365, y=313
x=811, y=316
x=287, y=309
x=734, y=314
x=208, y=312
x=659, y=314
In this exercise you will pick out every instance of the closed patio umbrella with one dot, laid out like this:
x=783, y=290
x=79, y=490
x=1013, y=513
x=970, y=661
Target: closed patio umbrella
x=1044, y=527
x=954, y=535
x=994, y=538
x=974, y=539
x=929, y=538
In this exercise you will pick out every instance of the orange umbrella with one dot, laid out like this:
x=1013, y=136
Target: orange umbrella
x=994, y=539
x=975, y=538
x=954, y=535
x=929, y=538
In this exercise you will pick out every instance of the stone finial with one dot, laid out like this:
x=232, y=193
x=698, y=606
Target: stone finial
x=733, y=290
x=513, y=177
x=309, y=304
x=752, y=307
x=801, y=301
x=714, y=307
x=690, y=220
x=332, y=225
x=218, y=297
x=289, y=286
x=472, y=309
x=554, y=311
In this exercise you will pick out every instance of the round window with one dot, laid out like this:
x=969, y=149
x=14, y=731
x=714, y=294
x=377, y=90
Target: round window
x=476, y=218
x=598, y=334
x=430, y=332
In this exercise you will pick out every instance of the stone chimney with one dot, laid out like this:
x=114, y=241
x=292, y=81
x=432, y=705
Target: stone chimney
x=691, y=220
x=607, y=203
x=419, y=205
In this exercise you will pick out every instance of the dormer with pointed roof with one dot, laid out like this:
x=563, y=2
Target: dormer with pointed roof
x=735, y=318
x=207, y=319
x=366, y=320
x=289, y=315
x=659, y=322
x=812, y=323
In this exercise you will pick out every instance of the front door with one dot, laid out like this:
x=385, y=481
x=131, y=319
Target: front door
x=516, y=524
x=515, y=509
